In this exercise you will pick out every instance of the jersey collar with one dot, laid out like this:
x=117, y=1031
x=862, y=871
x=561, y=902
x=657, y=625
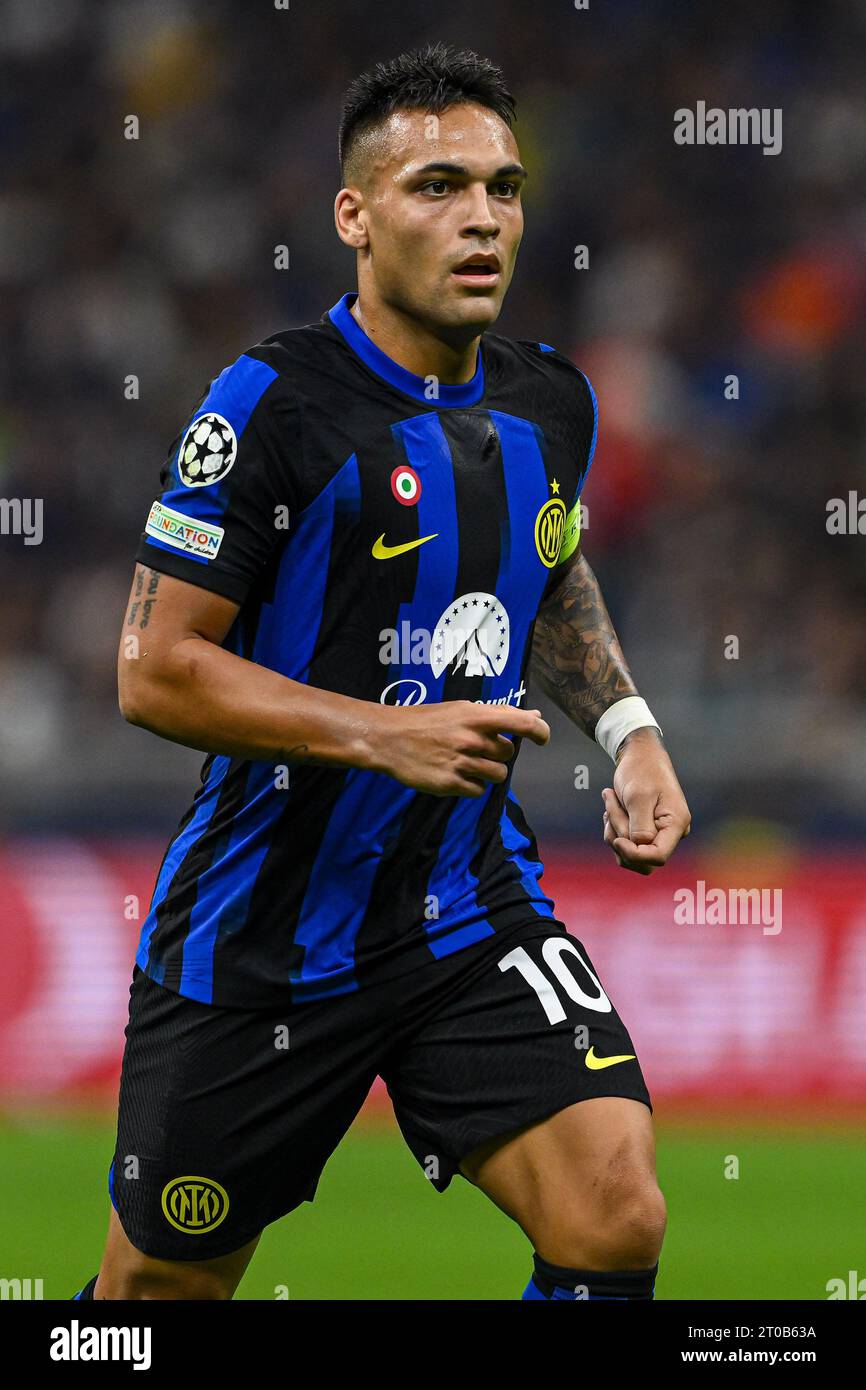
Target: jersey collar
x=466, y=393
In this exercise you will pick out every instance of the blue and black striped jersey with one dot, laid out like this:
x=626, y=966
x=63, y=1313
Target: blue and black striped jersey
x=390, y=539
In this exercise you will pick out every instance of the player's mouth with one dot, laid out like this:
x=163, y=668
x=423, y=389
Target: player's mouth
x=481, y=271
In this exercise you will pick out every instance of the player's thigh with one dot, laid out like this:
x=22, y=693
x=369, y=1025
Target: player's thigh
x=127, y=1273
x=527, y=1082
x=226, y=1117
x=523, y=1035
x=583, y=1164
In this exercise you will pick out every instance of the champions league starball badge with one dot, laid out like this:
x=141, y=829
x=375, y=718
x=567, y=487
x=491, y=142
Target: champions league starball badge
x=207, y=451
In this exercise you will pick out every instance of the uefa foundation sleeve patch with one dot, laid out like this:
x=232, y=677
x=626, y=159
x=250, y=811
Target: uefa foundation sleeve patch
x=185, y=533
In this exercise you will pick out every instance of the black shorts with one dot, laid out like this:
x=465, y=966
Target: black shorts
x=228, y=1116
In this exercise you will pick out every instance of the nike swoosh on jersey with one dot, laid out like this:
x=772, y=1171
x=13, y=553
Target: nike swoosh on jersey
x=599, y=1063
x=381, y=551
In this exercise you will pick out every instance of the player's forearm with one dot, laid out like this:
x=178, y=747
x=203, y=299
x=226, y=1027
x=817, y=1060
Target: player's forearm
x=208, y=698
x=576, y=654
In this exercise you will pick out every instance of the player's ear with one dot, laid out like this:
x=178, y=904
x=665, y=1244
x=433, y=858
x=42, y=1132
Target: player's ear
x=350, y=218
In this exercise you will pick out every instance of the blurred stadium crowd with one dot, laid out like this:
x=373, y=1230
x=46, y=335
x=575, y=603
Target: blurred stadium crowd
x=154, y=257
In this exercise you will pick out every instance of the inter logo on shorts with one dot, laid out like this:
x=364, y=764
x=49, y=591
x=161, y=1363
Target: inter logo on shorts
x=194, y=1205
x=549, y=526
x=406, y=485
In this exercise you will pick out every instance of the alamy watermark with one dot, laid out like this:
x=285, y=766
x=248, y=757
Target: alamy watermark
x=846, y=516
x=723, y=907
x=737, y=126
x=21, y=1289
x=22, y=516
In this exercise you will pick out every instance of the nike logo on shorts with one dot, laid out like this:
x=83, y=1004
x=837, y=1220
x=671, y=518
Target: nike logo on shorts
x=599, y=1063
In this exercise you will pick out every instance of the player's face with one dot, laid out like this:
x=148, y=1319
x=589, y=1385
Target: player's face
x=444, y=216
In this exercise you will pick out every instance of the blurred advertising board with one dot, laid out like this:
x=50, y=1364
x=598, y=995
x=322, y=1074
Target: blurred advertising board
x=737, y=980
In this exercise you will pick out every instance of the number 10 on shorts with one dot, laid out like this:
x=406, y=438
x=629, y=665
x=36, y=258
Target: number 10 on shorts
x=553, y=950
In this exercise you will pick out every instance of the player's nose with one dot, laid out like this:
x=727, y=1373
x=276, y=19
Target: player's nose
x=480, y=214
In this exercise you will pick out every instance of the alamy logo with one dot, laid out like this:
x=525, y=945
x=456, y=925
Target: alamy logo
x=719, y=907
x=854, y=1287
x=22, y=516
x=77, y=1343
x=737, y=126
x=847, y=516
x=23, y=1289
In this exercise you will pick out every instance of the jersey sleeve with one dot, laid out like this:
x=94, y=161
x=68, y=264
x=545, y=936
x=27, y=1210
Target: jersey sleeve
x=229, y=485
x=580, y=428
x=571, y=527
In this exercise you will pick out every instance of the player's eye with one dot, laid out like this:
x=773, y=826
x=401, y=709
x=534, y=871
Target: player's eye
x=436, y=186
x=506, y=190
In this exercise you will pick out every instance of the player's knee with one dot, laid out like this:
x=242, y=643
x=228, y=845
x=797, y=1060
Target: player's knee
x=621, y=1228
x=178, y=1285
x=636, y=1226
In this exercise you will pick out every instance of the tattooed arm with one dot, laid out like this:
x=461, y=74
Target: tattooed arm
x=576, y=653
x=577, y=658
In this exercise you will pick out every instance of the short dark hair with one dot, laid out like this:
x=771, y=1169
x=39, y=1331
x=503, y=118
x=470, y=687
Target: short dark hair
x=429, y=79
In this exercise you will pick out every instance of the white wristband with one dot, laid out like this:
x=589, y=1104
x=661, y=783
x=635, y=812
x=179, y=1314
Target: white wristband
x=620, y=719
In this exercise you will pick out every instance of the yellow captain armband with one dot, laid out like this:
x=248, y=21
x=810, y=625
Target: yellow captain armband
x=570, y=534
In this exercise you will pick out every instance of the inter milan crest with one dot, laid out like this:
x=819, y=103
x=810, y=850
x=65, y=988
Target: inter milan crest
x=549, y=526
x=207, y=451
x=194, y=1205
x=473, y=632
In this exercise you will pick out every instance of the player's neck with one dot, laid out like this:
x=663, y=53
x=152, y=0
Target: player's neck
x=412, y=346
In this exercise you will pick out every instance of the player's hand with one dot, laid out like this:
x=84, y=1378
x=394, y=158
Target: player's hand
x=454, y=748
x=645, y=812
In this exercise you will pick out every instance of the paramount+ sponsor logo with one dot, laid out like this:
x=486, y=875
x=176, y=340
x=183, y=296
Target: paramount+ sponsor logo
x=472, y=638
x=409, y=691
x=194, y=1205
x=404, y=692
